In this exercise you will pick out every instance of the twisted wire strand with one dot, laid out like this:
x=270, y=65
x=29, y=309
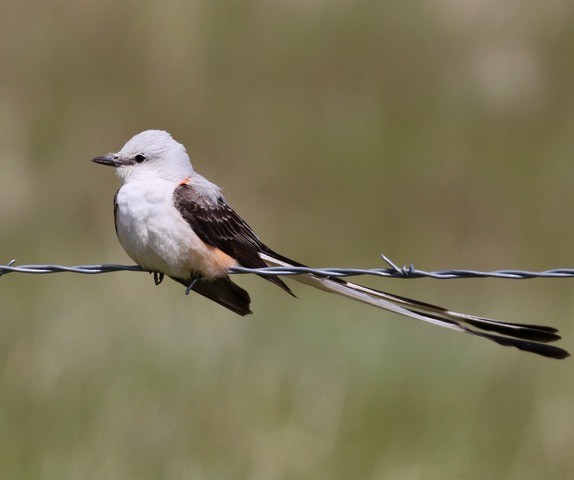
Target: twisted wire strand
x=393, y=272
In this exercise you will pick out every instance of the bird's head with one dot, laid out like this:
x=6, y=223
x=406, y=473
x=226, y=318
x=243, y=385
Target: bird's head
x=149, y=154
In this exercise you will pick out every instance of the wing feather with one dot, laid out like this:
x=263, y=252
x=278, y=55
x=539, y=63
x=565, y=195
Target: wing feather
x=218, y=225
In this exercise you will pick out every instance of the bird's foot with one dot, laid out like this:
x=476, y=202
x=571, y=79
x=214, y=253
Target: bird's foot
x=157, y=277
x=191, y=285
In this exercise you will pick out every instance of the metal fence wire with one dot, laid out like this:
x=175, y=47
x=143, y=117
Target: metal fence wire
x=393, y=271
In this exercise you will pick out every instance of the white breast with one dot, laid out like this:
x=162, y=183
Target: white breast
x=155, y=235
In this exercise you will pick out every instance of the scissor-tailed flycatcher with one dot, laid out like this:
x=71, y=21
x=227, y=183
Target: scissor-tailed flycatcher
x=173, y=221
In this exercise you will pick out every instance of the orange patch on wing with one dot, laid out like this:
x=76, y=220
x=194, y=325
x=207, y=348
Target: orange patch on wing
x=185, y=181
x=221, y=260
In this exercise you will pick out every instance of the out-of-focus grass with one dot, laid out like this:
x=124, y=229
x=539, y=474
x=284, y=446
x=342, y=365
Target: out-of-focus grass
x=438, y=132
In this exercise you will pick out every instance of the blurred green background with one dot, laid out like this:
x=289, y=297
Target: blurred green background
x=439, y=132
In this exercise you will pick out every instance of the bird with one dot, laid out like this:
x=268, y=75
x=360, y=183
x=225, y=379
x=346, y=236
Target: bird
x=173, y=221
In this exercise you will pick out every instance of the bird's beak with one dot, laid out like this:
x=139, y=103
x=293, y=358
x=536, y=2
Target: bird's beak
x=110, y=159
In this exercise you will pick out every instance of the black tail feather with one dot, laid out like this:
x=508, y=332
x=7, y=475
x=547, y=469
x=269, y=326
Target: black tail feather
x=526, y=332
x=549, y=351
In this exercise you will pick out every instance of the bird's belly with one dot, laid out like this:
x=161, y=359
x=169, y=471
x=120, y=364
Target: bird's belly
x=156, y=237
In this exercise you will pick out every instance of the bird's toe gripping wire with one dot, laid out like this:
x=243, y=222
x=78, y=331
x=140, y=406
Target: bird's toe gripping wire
x=157, y=277
x=191, y=285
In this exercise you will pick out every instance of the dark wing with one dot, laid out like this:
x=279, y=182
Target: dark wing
x=220, y=226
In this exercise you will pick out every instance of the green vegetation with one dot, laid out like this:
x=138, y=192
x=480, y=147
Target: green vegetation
x=438, y=132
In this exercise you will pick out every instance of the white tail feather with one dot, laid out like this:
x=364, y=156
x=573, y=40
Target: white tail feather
x=531, y=338
x=358, y=293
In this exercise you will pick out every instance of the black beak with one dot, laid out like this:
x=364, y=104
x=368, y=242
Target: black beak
x=110, y=159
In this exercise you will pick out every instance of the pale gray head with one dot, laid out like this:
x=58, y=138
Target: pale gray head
x=149, y=154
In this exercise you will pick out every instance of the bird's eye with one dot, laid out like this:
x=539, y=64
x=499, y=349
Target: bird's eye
x=139, y=158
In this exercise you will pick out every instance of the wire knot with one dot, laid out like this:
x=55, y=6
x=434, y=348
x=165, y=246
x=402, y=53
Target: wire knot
x=404, y=271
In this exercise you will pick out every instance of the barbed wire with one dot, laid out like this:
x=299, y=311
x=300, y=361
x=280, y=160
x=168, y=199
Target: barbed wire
x=393, y=272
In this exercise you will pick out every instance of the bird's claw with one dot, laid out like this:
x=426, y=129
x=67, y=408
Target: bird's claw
x=157, y=277
x=191, y=285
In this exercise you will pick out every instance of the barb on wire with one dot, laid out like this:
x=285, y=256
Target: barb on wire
x=393, y=272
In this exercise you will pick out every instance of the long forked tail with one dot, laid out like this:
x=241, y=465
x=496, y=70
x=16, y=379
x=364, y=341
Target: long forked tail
x=530, y=338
